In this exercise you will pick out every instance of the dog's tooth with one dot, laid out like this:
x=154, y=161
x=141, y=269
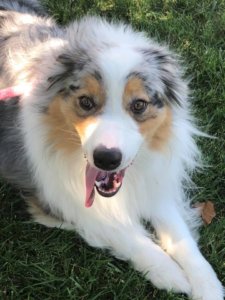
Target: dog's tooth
x=98, y=183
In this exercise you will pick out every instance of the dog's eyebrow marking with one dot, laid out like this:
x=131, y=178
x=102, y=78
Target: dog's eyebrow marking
x=143, y=78
x=156, y=98
x=140, y=75
x=71, y=65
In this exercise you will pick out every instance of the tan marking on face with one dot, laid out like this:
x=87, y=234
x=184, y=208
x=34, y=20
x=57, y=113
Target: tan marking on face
x=93, y=87
x=67, y=122
x=134, y=89
x=157, y=130
x=81, y=126
x=155, y=123
x=60, y=136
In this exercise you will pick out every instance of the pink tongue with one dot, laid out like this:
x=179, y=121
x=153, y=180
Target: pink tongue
x=91, y=175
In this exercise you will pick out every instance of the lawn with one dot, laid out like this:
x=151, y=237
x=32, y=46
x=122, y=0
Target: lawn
x=41, y=263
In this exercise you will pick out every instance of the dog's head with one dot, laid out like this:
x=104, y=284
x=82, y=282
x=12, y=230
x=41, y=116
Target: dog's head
x=115, y=90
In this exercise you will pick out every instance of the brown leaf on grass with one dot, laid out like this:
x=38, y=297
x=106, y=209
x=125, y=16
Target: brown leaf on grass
x=207, y=211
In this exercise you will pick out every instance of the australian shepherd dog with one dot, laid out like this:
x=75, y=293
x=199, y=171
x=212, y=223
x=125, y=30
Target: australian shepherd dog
x=100, y=135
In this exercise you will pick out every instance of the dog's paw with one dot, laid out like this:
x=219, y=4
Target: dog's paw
x=206, y=286
x=171, y=277
x=208, y=290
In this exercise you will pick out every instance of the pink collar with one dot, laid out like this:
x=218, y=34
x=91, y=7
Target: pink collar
x=10, y=92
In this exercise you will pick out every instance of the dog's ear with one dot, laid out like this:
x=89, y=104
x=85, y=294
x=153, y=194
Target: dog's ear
x=70, y=65
x=170, y=73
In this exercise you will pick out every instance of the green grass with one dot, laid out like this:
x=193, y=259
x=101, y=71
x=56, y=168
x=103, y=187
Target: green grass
x=41, y=263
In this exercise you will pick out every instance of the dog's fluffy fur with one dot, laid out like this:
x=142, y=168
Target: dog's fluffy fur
x=98, y=84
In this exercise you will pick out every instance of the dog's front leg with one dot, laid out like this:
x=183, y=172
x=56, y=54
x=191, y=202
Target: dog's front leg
x=177, y=240
x=132, y=243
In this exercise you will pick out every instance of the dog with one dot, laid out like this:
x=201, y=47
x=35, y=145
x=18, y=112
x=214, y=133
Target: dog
x=100, y=136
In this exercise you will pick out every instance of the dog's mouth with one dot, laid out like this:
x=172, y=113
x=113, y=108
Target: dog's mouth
x=106, y=183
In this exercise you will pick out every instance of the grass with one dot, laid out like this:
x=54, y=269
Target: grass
x=42, y=263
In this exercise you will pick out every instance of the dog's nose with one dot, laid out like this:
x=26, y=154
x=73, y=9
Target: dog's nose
x=107, y=159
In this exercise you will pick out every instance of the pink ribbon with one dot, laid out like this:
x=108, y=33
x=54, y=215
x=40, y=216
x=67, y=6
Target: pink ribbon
x=11, y=92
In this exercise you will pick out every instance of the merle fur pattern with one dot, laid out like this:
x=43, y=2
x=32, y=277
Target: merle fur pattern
x=13, y=162
x=46, y=60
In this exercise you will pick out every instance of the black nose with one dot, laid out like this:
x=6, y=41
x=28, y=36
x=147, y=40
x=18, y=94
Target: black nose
x=107, y=159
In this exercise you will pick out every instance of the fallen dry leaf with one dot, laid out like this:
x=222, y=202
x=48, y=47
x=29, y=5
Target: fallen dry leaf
x=207, y=211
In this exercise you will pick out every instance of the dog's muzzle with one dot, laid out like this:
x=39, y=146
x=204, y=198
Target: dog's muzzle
x=102, y=176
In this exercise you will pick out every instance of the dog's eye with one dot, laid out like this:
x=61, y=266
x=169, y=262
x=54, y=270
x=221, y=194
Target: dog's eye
x=86, y=103
x=138, y=106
